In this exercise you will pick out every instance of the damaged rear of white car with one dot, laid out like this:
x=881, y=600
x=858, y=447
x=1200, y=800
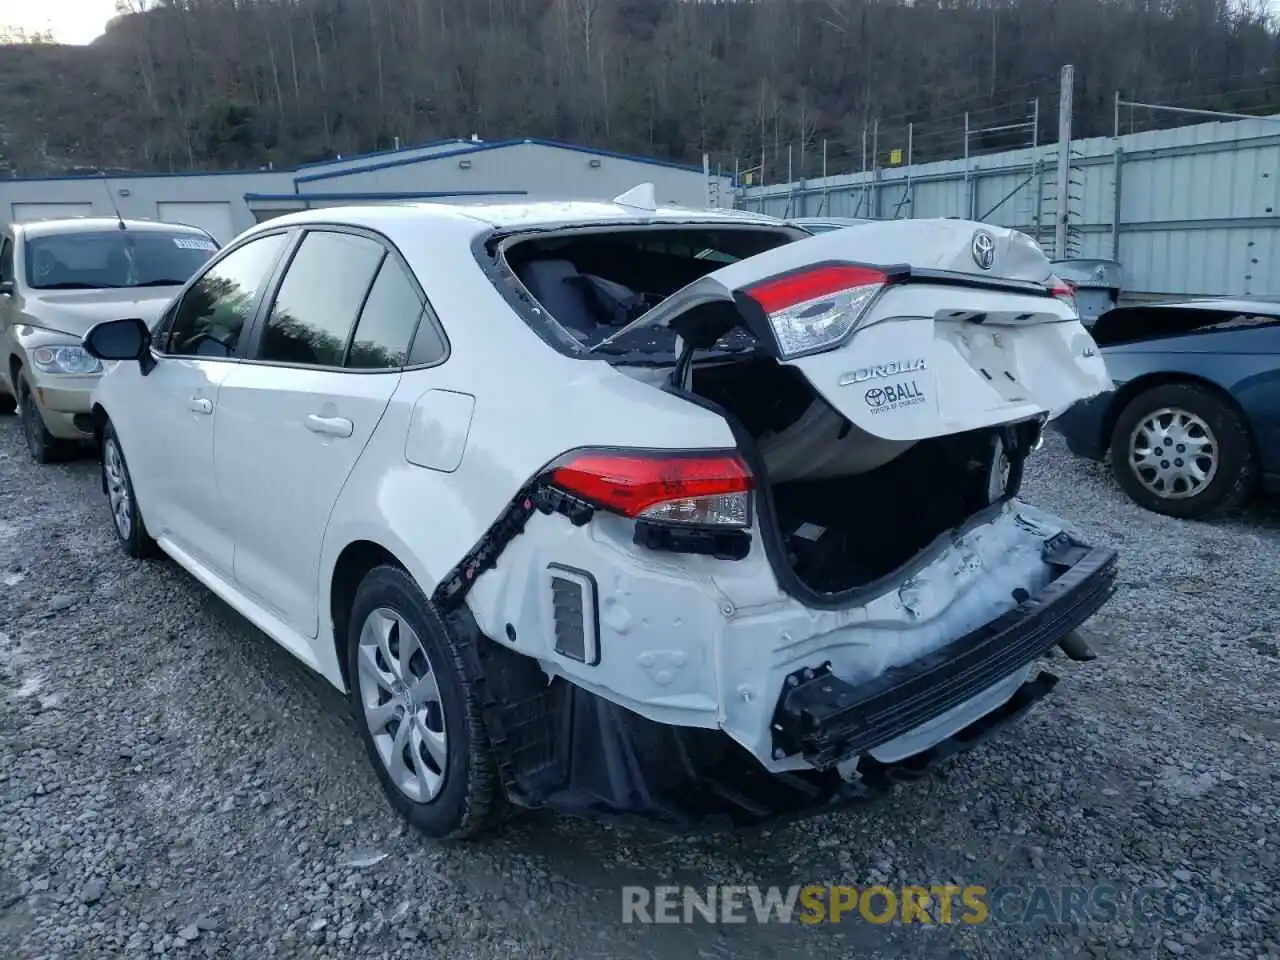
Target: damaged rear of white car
x=622, y=511
x=844, y=588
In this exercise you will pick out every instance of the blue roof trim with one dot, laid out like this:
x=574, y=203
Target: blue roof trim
x=386, y=195
x=374, y=153
x=496, y=145
x=115, y=177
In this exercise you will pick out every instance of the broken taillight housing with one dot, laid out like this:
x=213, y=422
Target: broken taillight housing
x=816, y=308
x=1063, y=290
x=702, y=489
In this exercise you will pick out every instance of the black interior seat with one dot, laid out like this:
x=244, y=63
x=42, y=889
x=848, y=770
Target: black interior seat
x=554, y=284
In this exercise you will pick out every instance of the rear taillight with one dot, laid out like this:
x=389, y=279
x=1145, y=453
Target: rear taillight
x=686, y=488
x=1063, y=290
x=816, y=308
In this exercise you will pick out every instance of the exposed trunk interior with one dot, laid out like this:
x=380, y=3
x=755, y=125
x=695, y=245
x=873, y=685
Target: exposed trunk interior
x=851, y=507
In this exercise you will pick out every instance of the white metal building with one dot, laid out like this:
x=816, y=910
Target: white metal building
x=225, y=203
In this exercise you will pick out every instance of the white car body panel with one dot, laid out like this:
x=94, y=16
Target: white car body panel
x=261, y=508
x=286, y=441
x=171, y=439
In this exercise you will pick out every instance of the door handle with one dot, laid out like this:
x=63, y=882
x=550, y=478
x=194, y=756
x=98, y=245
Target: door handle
x=200, y=405
x=330, y=426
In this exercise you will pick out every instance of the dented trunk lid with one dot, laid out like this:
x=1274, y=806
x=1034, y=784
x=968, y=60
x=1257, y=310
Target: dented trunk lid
x=963, y=332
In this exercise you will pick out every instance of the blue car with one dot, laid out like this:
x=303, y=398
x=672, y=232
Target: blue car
x=1193, y=424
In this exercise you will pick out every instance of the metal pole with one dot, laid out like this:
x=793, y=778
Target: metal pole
x=1115, y=127
x=968, y=187
x=864, y=148
x=823, y=207
x=1039, y=171
x=911, y=190
x=791, y=184
x=875, y=169
x=1063, y=211
x=1035, y=123
x=1117, y=167
x=762, y=162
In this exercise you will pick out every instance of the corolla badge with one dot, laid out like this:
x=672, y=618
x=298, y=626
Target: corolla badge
x=880, y=370
x=983, y=249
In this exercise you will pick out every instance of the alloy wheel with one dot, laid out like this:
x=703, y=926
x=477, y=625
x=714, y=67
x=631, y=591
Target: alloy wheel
x=117, y=489
x=400, y=699
x=1173, y=453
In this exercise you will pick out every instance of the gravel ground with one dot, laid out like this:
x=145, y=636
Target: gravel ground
x=173, y=784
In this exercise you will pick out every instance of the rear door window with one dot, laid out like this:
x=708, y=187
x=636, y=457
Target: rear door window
x=320, y=298
x=387, y=322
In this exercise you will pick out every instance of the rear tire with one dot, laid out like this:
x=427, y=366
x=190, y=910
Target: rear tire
x=417, y=710
x=126, y=518
x=43, y=446
x=1181, y=450
x=8, y=404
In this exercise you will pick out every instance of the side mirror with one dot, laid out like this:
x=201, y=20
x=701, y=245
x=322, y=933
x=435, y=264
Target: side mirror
x=120, y=340
x=6, y=288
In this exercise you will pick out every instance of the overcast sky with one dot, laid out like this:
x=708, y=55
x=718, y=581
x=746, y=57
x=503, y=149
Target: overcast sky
x=72, y=21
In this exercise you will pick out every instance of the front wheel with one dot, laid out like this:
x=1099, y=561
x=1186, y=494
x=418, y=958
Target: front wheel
x=43, y=446
x=1182, y=450
x=418, y=713
x=118, y=485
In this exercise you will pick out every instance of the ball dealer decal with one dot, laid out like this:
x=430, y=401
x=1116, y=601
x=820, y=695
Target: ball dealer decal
x=896, y=396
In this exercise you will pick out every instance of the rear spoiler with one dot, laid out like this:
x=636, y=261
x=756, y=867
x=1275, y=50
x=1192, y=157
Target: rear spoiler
x=904, y=273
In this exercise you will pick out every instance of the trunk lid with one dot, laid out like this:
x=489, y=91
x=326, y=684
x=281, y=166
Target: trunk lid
x=909, y=328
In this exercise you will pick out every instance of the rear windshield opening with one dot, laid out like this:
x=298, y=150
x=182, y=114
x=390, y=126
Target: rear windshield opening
x=595, y=284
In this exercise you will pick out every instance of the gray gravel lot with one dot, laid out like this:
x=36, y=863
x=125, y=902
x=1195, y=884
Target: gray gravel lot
x=173, y=784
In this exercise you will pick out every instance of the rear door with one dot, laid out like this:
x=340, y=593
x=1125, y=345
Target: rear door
x=294, y=418
x=910, y=328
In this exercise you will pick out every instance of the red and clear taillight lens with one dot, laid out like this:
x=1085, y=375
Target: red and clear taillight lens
x=1063, y=290
x=814, y=309
x=698, y=489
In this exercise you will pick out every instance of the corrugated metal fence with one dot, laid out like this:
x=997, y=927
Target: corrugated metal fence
x=1193, y=211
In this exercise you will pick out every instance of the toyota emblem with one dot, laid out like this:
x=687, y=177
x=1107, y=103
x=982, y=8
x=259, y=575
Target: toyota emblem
x=983, y=249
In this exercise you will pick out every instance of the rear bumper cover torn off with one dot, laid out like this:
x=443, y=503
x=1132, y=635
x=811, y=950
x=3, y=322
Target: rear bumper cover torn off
x=562, y=747
x=830, y=721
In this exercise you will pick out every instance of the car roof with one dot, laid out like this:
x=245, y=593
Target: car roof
x=483, y=216
x=74, y=225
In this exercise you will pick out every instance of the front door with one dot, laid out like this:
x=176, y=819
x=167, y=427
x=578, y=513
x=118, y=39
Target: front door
x=176, y=409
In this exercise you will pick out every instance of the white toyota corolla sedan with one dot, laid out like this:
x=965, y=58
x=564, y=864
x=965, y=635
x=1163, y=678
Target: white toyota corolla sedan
x=620, y=510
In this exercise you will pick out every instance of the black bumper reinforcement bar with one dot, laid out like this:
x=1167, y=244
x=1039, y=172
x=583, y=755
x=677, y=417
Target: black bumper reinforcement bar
x=829, y=721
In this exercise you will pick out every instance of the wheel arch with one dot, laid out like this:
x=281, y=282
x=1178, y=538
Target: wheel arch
x=1139, y=385
x=353, y=563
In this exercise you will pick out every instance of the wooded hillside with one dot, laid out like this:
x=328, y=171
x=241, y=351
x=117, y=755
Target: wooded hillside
x=243, y=83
